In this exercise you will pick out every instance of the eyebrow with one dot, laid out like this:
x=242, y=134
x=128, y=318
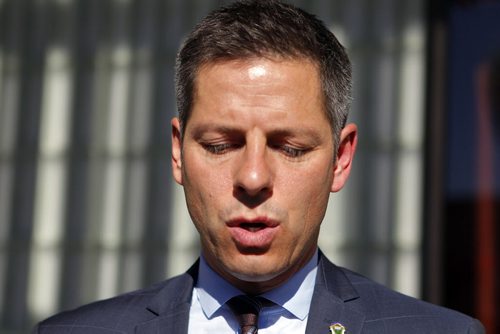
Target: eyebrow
x=284, y=132
x=290, y=132
x=198, y=130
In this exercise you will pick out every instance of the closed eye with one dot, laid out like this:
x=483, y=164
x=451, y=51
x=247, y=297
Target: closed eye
x=292, y=152
x=218, y=148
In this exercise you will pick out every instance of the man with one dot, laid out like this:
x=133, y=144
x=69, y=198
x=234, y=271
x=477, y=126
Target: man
x=263, y=90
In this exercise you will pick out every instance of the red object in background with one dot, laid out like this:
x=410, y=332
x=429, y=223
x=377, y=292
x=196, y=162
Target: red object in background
x=486, y=215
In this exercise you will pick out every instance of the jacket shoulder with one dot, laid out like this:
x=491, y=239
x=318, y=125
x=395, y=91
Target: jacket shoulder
x=396, y=312
x=119, y=314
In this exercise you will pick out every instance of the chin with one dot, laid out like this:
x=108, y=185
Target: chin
x=254, y=271
x=253, y=277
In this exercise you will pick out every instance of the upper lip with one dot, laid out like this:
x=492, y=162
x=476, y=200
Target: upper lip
x=263, y=221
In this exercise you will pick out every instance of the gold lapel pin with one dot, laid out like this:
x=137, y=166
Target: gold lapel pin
x=337, y=329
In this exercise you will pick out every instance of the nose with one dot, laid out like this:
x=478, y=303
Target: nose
x=253, y=175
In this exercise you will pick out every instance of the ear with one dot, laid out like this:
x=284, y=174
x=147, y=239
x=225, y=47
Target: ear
x=176, y=150
x=345, y=155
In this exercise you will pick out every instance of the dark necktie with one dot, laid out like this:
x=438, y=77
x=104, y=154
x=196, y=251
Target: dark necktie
x=246, y=310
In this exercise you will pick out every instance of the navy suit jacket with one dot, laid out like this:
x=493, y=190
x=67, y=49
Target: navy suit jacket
x=340, y=296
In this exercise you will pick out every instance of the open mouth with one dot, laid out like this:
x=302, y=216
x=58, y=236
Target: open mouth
x=253, y=227
x=253, y=234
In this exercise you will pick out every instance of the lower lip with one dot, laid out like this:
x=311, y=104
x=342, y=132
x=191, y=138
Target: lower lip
x=253, y=240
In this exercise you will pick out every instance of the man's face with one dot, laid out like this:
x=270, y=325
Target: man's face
x=257, y=164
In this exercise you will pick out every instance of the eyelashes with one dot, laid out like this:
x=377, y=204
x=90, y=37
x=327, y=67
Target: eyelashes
x=293, y=152
x=224, y=148
x=218, y=149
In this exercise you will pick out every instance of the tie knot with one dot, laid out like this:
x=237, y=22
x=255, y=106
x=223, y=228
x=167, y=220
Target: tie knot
x=246, y=309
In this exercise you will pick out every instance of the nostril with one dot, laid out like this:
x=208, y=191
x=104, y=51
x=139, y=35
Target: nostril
x=254, y=190
x=252, y=199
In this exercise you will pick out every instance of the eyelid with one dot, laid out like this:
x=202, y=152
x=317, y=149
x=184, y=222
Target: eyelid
x=292, y=151
x=217, y=148
x=220, y=143
x=209, y=133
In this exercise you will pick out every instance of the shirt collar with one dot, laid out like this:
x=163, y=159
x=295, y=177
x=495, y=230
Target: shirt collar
x=295, y=295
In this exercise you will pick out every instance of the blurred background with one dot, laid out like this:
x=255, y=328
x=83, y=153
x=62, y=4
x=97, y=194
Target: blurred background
x=88, y=208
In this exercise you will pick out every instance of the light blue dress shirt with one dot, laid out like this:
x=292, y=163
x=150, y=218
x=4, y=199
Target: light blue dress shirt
x=209, y=314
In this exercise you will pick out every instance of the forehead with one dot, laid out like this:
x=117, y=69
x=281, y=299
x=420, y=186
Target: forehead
x=276, y=92
x=245, y=62
x=301, y=73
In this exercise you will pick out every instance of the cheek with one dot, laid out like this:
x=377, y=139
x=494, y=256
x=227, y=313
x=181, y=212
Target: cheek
x=206, y=188
x=308, y=185
x=307, y=195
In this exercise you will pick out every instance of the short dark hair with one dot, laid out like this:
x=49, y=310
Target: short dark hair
x=266, y=28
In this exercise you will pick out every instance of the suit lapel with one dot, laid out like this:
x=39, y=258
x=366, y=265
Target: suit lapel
x=171, y=322
x=171, y=306
x=330, y=302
